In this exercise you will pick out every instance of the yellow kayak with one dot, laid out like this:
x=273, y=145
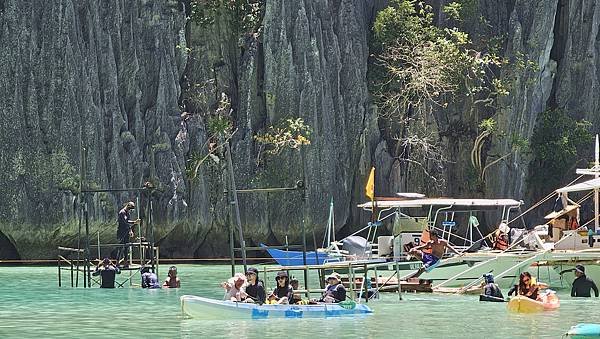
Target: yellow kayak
x=523, y=304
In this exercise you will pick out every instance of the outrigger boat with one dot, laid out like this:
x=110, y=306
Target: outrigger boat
x=560, y=243
x=350, y=248
x=206, y=308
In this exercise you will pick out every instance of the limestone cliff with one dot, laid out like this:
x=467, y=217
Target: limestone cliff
x=118, y=74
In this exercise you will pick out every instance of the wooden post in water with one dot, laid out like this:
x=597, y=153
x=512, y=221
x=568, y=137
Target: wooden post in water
x=59, y=271
x=399, y=283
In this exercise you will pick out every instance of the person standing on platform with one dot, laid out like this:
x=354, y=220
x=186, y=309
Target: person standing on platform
x=125, y=232
x=582, y=284
x=107, y=273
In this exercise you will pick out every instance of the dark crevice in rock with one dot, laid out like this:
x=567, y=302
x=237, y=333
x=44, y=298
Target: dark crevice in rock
x=8, y=251
x=560, y=32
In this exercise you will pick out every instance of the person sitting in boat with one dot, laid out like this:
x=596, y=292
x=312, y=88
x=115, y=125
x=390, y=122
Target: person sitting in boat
x=501, y=237
x=235, y=288
x=149, y=279
x=296, y=297
x=582, y=284
x=527, y=286
x=283, y=293
x=431, y=260
x=172, y=280
x=491, y=288
x=335, y=290
x=255, y=288
x=107, y=273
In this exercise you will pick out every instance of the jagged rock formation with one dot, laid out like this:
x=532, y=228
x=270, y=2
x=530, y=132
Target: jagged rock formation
x=123, y=71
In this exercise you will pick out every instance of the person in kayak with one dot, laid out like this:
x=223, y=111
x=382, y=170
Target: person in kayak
x=283, y=293
x=582, y=284
x=335, y=290
x=235, y=288
x=107, y=273
x=491, y=288
x=172, y=280
x=255, y=288
x=149, y=279
x=431, y=260
x=527, y=287
x=296, y=297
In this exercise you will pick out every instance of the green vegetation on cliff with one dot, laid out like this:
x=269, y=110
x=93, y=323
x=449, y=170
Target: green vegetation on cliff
x=422, y=74
x=556, y=145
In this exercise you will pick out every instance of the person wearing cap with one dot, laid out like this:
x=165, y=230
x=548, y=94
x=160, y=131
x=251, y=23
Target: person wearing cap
x=125, y=231
x=107, y=271
x=491, y=288
x=149, y=279
x=283, y=292
x=172, y=280
x=582, y=284
x=235, y=288
x=335, y=290
x=255, y=288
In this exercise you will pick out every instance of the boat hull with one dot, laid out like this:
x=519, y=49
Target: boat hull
x=584, y=331
x=523, y=304
x=295, y=258
x=206, y=308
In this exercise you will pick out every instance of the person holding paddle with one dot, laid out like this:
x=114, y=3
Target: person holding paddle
x=431, y=260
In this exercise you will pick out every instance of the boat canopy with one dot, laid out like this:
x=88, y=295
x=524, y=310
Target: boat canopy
x=441, y=202
x=582, y=186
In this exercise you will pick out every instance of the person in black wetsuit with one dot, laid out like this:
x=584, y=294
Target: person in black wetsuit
x=582, y=284
x=107, y=273
x=491, y=288
x=125, y=231
x=255, y=288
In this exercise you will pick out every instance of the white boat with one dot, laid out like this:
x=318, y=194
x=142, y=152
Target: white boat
x=552, y=245
x=211, y=309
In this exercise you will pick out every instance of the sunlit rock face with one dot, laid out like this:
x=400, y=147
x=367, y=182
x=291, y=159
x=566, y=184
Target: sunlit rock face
x=116, y=76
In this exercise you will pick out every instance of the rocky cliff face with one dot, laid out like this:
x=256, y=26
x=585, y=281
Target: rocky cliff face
x=118, y=75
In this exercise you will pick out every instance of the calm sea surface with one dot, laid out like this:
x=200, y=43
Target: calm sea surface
x=32, y=305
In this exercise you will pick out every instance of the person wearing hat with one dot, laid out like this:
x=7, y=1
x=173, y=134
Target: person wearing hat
x=582, y=284
x=125, y=231
x=283, y=292
x=235, y=288
x=149, y=279
x=256, y=288
x=107, y=271
x=335, y=290
x=491, y=288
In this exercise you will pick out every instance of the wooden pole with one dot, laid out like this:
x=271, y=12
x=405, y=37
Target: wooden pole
x=58, y=264
x=236, y=204
x=398, y=278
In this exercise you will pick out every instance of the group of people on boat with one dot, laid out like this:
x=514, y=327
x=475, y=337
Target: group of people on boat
x=249, y=288
x=108, y=271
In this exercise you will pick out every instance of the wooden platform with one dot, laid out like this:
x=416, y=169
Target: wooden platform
x=391, y=284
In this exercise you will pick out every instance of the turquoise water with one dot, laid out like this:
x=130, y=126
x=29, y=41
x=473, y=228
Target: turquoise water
x=32, y=305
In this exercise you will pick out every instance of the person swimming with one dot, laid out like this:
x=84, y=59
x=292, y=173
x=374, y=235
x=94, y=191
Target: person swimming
x=172, y=281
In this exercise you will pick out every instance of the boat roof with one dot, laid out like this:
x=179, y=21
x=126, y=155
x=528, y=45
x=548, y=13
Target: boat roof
x=582, y=186
x=385, y=203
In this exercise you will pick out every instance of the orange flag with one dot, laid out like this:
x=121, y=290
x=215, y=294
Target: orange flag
x=370, y=188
